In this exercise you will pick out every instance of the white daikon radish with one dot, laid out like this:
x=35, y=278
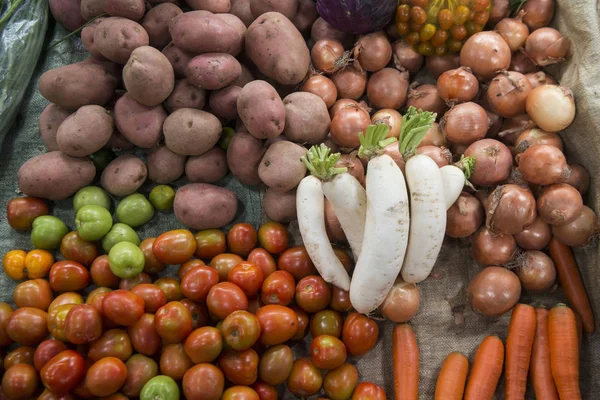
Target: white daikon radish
x=453, y=179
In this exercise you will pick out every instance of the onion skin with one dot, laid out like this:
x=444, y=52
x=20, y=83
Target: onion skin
x=437, y=65
x=426, y=98
x=500, y=10
x=559, y=204
x=328, y=56
x=485, y=53
x=465, y=216
x=347, y=124
x=510, y=209
x=538, y=13
x=405, y=58
x=387, y=88
x=513, y=127
x=579, y=178
x=494, y=291
x=355, y=167
x=535, y=237
x=536, y=272
x=551, y=107
x=433, y=137
x=340, y=104
x=543, y=165
x=513, y=30
x=402, y=302
x=457, y=85
x=393, y=151
x=532, y=137
x=490, y=249
x=332, y=225
x=521, y=62
x=495, y=125
x=373, y=51
x=322, y=87
x=390, y=117
x=331, y=144
x=465, y=123
x=507, y=94
x=547, y=46
x=540, y=78
x=350, y=82
x=578, y=232
x=441, y=155
x=493, y=162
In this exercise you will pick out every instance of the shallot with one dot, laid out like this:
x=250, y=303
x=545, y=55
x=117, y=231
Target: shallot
x=513, y=30
x=323, y=87
x=373, y=51
x=350, y=82
x=390, y=117
x=406, y=58
x=328, y=55
x=534, y=136
x=538, y=13
x=426, y=98
x=387, y=88
x=347, y=123
x=494, y=291
x=465, y=123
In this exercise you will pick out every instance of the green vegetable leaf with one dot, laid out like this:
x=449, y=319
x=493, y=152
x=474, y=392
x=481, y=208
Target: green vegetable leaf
x=321, y=163
x=373, y=140
x=415, y=124
x=515, y=5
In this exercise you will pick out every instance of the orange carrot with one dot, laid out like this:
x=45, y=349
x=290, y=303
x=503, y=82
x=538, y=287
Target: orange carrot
x=570, y=280
x=564, y=352
x=451, y=381
x=519, y=342
x=486, y=370
x=541, y=373
x=406, y=363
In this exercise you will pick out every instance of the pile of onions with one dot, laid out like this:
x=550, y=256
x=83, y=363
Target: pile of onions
x=390, y=117
x=547, y=46
x=406, y=58
x=328, y=56
x=441, y=155
x=458, y=85
x=402, y=302
x=433, y=137
x=534, y=136
x=494, y=291
x=538, y=13
x=426, y=98
x=510, y=209
x=354, y=166
x=322, y=87
x=513, y=127
x=540, y=78
x=578, y=232
x=513, y=30
x=350, y=82
x=465, y=123
x=347, y=123
x=437, y=65
x=543, y=165
x=491, y=249
x=551, y=107
x=465, y=216
x=535, y=237
x=559, y=204
x=388, y=88
x=536, y=272
x=522, y=63
x=579, y=178
x=507, y=94
x=493, y=162
x=373, y=51
x=485, y=53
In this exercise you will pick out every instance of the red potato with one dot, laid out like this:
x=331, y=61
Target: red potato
x=140, y=124
x=130, y=9
x=285, y=7
x=209, y=167
x=148, y=76
x=91, y=8
x=124, y=175
x=306, y=118
x=87, y=38
x=164, y=166
x=116, y=38
x=306, y=14
x=191, y=132
x=281, y=167
x=85, y=131
x=204, y=206
x=280, y=206
x=67, y=13
x=185, y=95
x=213, y=71
x=223, y=102
x=178, y=58
x=156, y=23
x=50, y=120
x=245, y=77
x=261, y=110
x=215, y=6
x=241, y=9
x=244, y=154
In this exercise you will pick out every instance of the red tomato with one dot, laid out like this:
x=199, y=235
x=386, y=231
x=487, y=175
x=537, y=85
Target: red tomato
x=297, y=262
x=63, y=372
x=45, y=351
x=254, y=303
x=264, y=260
x=34, y=293
x=278, y=288
x=204, y=345
x=21, y=211
x=340, y=382
x=171, y=287
x=20, y=355
x=240, y=330
x=368, y=391
x=56, y=321
x=83, y=324
x=203, y=381
x=305, y=380
x=224, y=263
x=106, y=376
x=173, y=322
x=327, y=352
x=112, y=343
x=27, y=326
x=359, y=334
x=240, y=393
x=198, y=312
x=210, y=243
x=248, y=277
x=5, y=313
x=20, y=382
x=187, y=267
x=140, y=369
x=326, y=322
x=144, y=336
x=340, y=300
x=241, y=239
x=152, y=265
x=174, y=247
x=278, y=324
x=276, y=364
x=67, y=298
x=154, y=298
x=303, y=322
x=225, y=298
x=273, y=237
x=265, y=391
x=68, y=276
x=196, y=284
x=95, y=299
x=102, y=276
x=312, y=294
x=123, y=307
x=128, y=284
x=74, y=248
x=240, y=367
x=345, y=259
x=174, y=362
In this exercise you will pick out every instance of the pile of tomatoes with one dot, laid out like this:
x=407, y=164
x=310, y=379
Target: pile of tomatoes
x=225, y=327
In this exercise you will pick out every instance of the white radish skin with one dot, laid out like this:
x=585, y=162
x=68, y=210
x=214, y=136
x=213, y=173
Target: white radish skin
x=310, y=206
x=386, y=235
x=454, y=182
x=428, y=217
x=349, y=201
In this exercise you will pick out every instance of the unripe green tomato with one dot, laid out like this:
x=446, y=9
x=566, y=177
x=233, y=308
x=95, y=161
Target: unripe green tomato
x=134, y=210
x=162, y=197
x=119, y=233
x=126, y=260
x=47, y=232
x=91, y=195
x=93, y=222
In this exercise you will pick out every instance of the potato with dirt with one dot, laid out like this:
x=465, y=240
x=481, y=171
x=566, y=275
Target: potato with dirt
x=277, y=48
x=124, y=175
x=244, y=154
x=261, y=110
x=285, y=7
x=140, y=124
x=85, y=132
x=209, y=167
x=281, y=168
x=50, y=120
x=55, y=175
x=191, y=132
x=185, y=95
x=91, y=8
x=178, y=58
x=148, y=76
x=130, y=9
x=280, y=206
x=223, y=102
x=164, y=166
x=87, y=38
x=306, y=118
x=241, y=9
x=212, y=71
x=116, y=38
x=204, y=206
x=156, y=23
x=214, y=6
x=66, y=12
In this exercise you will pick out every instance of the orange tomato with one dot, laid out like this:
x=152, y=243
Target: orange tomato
x=38, y=263
x=14, y=264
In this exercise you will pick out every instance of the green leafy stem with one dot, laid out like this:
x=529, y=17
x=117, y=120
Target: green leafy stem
x=415, y=124
x=321, y=163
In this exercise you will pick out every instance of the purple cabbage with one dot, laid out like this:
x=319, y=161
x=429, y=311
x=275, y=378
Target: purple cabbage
x=357, y=16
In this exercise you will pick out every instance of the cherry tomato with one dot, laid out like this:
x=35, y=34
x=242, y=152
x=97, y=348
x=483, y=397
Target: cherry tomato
x=21, y=211
x=173, y=322
x=20, y=355
x=63, y=372
x=74, y=248
x=83, y=324
x=224, y=263
x=203, y=381
x=240, y=393
x=198, y=312
x=123, y=307
x=171, y=287
x=112, y=343
x=248, y=277
x=196, y=284
x=327, y=352
x=5, y=312
x=38, y=263
x=14, y=264
x=34, y=293
x=297, y=262
x=129, y=284
x=303, y=322
x=154, y=298
x=140, y=369
x=152, y=265
x=239, y=367
x=326, y=322
x=340, y=300
x=204, y=345
x=187, y=267
x=174, y=362
x=95, y=299
x=340, y=382
x=27, y=326
x=241, y=239
x=368, y=391
x=144, y=336
x=106, y=376
x=278, y=324
x=174, y=247
x=278, y=288
x=210, y=243
x=305, y=379
x=102, y=275
x=312, y=294
x=345, y=259
x=264, y=260
x=264, y=391
x=20, y=382
x=56, y=321
x=240, y=330
x=273, y=237
x=68, y=276
x=45, y=351
x=225, y=298
x=276, y=364
x=66, y=298
x=359, y=334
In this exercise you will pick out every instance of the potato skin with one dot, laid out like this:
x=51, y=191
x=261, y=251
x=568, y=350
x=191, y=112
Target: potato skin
x=178, y=58
x=244, y=154
x=185, y=95
x=130, y=9
x=148, y=76
x=209, y=167
x=91, y=8
x=156, y=23
x=305, y=16
x=124, y=175
x=214, y=6
x=85, y=132
x=281, y=168
x=191, y=132
x=50, y=120
x=87, y=38
x=204, y=206
x=55, y=175
x=241, y=9
x=280, y=206
x=285, y=7
x=213, y=71
x=306, y=118
x=67, y=13
x=140, y=124
x=245, y=77
x=119, y=142
x=116, y=38
x=277, y=48
x=164, y=166
x=75, y=85
x=261, y=110
x=223, y=102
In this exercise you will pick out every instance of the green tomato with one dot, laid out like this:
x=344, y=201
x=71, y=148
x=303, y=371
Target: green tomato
x=91, y=195
x=162, y=197
x=102, y=158
x=134, y=210
x=47, y=232
x=126, y=260
x=160, y=387
x=93, y=222
x=119, y=233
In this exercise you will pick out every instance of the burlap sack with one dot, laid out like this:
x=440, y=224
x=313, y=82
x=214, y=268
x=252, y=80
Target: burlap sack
x=441, y=325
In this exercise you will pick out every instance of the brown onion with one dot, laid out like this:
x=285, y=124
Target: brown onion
x=535, y=237
x=458, y=85
x=490, y=249
x=433, y=137
x=536, y=272
x=341, y=103
x=426, y=98
x=402, y=302
x=540, y=78
x=559, y=204
x=495, y=124
x=393, y=151
x=328, y=55
x=521, y=62
x=547, y=46
x=465, y=123
x=464, y=217
x=494, y=291
x=510, y=209
x=534, y=136
x=441, y=155
x=373, y=51
x=354, y=166
x=335, y=148
x=551, y=107
x=513, y=30
x=390, y=117
x=406, y=58
x=543, y=165
x=322, y=87
x=513, y=127
x=578, y=232
x=507, y=94
x=347, y=124
x=350, y=82
x=493, y=162
x=538, y=13
x=387, y=88
x=486, y=53
x=322, y=30
x=500, y=10
x=579, y=178
x=332, y=225
x=437, y=65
